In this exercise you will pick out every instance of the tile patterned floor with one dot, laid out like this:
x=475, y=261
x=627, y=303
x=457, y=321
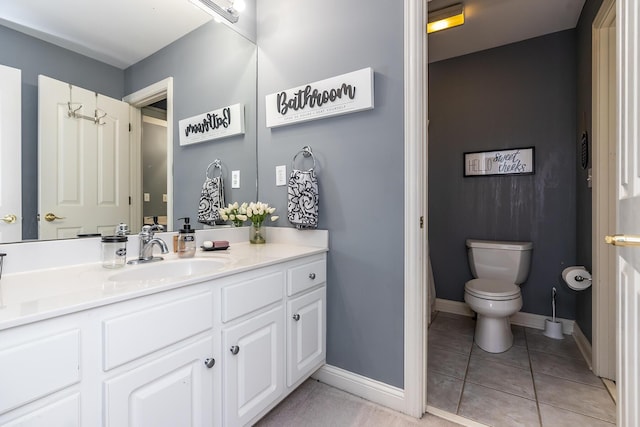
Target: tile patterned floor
x=538, y=382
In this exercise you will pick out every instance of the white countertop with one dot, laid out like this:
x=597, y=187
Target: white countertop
x=35, y=295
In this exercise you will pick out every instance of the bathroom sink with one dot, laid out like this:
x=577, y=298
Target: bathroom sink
x=168, y=270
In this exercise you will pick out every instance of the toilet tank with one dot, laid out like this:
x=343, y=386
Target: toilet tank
x=500, y=260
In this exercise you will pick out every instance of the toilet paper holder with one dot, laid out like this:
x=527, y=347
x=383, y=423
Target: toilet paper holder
x=577, y=278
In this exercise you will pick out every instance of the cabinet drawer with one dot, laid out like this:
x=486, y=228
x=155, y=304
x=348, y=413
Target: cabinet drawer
x=250, y=295
x=38, y=368
x=306, y=276
x=137, y=334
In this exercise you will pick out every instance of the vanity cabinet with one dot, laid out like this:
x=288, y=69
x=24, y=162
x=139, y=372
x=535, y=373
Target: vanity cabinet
x=218, y=353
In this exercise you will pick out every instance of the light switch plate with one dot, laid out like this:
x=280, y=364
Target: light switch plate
x=147, y=197
x=235, y=179
x=281, y=175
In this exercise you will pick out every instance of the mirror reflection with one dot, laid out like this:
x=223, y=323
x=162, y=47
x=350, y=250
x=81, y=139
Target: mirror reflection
x=210, y=67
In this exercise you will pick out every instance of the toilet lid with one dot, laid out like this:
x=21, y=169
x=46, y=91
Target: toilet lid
x=492, y=289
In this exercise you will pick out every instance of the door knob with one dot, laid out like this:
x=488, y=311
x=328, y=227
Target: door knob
x=10, y=218
x=234, y=349
x=52, y=217
x=623, y=240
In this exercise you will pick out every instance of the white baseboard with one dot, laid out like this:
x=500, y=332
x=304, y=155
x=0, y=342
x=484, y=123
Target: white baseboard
x=453, y=417
x=454, y=307
x=583, y=344
x=529, y=320
x=361, y=386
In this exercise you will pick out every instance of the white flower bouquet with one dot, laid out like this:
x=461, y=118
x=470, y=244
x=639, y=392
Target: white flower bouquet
x=235, y=213
x=257, y=212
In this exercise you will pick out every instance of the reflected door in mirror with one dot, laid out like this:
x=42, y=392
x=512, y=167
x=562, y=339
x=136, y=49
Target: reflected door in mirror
x=10, y=149
x=83, y=156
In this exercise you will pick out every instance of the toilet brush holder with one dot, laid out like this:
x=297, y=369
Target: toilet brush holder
x=553, y=329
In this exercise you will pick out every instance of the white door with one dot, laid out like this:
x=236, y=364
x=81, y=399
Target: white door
x=10, y=155
x=305, y=334
x=253, y=363
x=628, y=255
x=169, y=391
x=83, y=165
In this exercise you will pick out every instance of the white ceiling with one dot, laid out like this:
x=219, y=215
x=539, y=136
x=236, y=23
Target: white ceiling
x=118, y=32
x=492, y=23
x=122, y=32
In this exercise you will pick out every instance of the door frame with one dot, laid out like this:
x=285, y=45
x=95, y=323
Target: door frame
x=604, y=111
x=143, y=97
x=415, y=212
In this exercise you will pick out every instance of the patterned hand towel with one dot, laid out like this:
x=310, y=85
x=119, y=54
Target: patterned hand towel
x=302, y=204
x=211, y=199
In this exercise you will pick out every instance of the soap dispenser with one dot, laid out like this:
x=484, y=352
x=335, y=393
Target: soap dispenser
x=186, y=240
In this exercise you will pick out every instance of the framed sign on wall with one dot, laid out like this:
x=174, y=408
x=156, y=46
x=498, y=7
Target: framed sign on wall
x=518, y=161
x=215, y=124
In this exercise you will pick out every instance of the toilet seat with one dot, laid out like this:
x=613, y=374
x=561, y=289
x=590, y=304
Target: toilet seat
x=494, y=290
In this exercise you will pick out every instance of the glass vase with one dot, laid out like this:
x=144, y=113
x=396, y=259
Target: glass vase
x=257, y=233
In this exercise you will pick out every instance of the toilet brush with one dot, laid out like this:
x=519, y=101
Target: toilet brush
x=553, y=328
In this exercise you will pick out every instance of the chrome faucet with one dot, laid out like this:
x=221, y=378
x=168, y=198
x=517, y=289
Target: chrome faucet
x=147, y=241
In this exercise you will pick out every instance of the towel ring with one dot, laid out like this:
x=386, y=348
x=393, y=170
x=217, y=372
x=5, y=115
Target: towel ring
x=306, y=152
x=216, y=164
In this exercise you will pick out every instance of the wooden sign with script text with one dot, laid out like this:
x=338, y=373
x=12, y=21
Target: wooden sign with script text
x=216, y=124
x=502, y=162
x=338, y=95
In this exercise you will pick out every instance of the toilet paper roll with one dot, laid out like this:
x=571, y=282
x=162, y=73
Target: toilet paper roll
x=577, y=277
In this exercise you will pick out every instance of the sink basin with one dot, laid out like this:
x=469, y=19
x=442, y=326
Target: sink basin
x=168, y=270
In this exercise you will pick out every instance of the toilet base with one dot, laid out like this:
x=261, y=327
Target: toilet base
x=493, y=334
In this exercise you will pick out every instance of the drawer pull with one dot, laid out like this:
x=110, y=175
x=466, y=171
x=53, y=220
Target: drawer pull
x=234, y=349
x=296, y=317
x=209, y=362
x=312, y=276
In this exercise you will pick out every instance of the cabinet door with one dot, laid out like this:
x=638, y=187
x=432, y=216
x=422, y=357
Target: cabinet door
x=253, y=364
x=306, y=336
x=173, y=390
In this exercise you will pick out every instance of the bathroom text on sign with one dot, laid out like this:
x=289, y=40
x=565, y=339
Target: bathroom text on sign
x=342, y=94
x=500, y=162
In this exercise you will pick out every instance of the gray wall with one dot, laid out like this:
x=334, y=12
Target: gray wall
x=519, y=95
x=583, y=193
x=360, y=167
x=35, y=57
x=212, y=67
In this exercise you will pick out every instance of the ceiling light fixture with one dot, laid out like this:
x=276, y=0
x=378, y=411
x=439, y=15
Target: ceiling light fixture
x=449, y=17
x=212, y=8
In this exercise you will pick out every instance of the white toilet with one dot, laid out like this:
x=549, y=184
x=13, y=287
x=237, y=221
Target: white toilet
x=494, y=294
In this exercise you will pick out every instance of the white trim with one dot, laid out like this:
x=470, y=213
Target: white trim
x=529, y=320
x=366, y=388
x=604, y=199
x=453, y=418
x=454, y=307
x=149, y=95
x=583, y=344
x=415, y=238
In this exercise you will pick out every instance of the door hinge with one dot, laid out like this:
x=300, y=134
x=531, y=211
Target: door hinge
x=130, y=127
x=129, y=200
x=421, y=221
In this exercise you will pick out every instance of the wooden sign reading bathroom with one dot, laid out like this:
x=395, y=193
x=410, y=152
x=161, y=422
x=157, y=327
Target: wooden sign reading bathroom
x=519, y=161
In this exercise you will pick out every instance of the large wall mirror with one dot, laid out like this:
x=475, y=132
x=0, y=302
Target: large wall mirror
x=210, y=66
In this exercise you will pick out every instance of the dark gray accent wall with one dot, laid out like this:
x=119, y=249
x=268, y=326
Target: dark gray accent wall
x=34, y=57
x=212, y=67
x=360, y=166
x=583, y=192
x=519, y=95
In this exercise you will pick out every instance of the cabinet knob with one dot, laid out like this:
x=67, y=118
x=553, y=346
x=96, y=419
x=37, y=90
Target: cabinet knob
x=312, y=276
x=209, y=362
x=234, y=349
x=296, y=317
